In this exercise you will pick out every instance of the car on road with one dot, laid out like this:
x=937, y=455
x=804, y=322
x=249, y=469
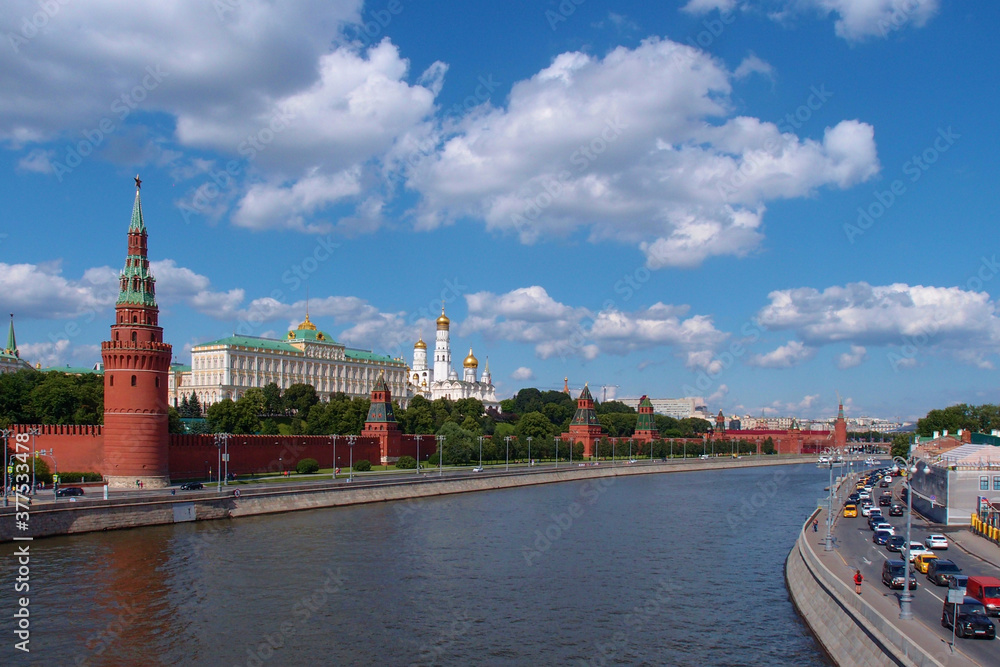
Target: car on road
x=941, y=570
x=854, y=497
x=850, y=511
x=69, y=491
x=895, y=543
x=865, y=493
x=885, y=526
x=192, y=486
x=885, y=500
x=883, y=484
x=477, y=469
x=987, y=591
x=896, y=510
x=892, y=575
x=866, y=509
x=917, y=549
x=881, y=536
x=970, y=619
x=923, y=561
x=875, y=518
x=936, y=542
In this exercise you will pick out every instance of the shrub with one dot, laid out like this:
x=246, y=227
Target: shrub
x=406, y=463
x=364, y=465
x=75, y=477
x=307, y=466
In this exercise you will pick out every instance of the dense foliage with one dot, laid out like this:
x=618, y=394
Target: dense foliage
x=32, y=397
x=364, y=465
x=307, y=466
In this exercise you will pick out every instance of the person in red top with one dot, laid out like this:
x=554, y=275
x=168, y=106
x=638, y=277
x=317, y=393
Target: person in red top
x=857, y=581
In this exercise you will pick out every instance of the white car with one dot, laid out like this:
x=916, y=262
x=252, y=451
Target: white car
x=478, y=469
x=885, y=526
x=866, y=509
x=936, y=542
x=917, y=549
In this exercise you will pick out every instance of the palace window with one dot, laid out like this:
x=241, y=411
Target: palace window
x=133, y=380
x=996, y=482
x=984, y=483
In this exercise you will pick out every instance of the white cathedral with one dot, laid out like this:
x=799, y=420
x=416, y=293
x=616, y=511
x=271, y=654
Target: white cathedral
x=442, y=381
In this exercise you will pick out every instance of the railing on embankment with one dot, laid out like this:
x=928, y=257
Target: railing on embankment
x=983, y=529
x=62, y=518
x=851, y=631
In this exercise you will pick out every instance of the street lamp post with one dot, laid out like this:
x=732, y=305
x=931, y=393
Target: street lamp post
x=907, y=469
x=350, y=444
x=334, y=471
x=33, y=432
x=529, y=451
x=630, y=449
x=507, y=464
x=221, y=438
x=6, y=434
x=614, y=442
x=440, y=441
x=557, y=451
x=829, y=512
x=480, y=452
x=417, y=438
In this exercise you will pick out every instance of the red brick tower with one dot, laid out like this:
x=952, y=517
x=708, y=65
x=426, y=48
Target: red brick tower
x=381, y=422
x=136, y=363
x=840, y=429
x=720, y=424
x=645, y=423
x=585, y=427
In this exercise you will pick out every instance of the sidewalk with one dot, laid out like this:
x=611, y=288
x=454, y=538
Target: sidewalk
x=976, y=545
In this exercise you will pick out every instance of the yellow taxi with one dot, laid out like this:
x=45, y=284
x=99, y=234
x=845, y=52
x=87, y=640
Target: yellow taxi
x=923, y=561
x=850, y=511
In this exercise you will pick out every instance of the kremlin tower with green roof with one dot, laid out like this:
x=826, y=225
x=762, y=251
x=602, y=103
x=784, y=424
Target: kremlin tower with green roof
x=136, y=366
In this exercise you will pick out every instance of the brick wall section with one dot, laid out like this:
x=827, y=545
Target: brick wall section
x=76, y=448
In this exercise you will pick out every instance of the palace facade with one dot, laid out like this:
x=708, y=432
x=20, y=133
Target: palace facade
x=227, y=367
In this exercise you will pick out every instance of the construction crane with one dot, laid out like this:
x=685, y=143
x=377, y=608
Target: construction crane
x=604, y=387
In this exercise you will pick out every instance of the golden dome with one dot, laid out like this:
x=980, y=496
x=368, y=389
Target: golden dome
x=420, y=344
x=443, y=322
x=471, y=361
x=307, y=324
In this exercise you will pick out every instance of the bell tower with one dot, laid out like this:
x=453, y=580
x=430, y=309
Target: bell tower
x=136, y=365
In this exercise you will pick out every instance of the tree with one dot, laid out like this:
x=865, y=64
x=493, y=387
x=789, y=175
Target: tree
x=184, y=410
x=174, y=424
x=269, y=427
x=300, y=397
x=507, y=405
x=457, y=444
x=406, y=463
x=613, y=406
x=900, y=445
x=194, y=406
x=535, y=425
x=274, y=404
x=307, y=466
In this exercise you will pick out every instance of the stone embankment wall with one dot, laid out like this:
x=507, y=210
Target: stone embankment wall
x=850, y=630
x=85, y=515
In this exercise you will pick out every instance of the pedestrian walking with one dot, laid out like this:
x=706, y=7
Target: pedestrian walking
x=815, y=525
x=857, y=581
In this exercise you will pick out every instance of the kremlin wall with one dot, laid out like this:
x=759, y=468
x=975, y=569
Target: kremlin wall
x=134, y=443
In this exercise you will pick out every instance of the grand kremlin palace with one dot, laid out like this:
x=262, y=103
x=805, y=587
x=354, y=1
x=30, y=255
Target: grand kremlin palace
x=226, y=368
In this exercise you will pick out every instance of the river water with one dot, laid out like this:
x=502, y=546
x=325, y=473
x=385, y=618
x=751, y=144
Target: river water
x=670, y=569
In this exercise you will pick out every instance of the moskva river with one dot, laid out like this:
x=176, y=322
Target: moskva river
x=668, y=569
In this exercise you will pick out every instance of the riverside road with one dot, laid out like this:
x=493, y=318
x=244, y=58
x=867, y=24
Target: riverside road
x=854, y=546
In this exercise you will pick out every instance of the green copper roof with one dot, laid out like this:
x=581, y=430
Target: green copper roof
x=645, y=421
x=179, y=368
x=137, y=225
x=381, y=411
x=364, y=355
x=252, y=341
x=646, y=403
x=137, y=285
x=586, y=416
x=11, y=348
x=312, y=335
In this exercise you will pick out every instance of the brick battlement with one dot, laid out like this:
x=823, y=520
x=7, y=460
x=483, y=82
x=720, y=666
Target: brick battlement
x=58, y=429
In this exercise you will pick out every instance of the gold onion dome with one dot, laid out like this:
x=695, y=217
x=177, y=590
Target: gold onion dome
x=471, y=361
x=420, y=344
x=443, y=322
x=306, y=324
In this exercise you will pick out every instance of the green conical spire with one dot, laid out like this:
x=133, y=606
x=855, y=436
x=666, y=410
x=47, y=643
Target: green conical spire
x=11, y=341
x=137, y=224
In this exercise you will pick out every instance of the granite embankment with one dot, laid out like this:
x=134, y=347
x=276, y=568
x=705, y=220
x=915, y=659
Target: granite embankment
x=64, y=517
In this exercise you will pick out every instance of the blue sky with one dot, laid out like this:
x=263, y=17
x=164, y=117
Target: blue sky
x=760, y=202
